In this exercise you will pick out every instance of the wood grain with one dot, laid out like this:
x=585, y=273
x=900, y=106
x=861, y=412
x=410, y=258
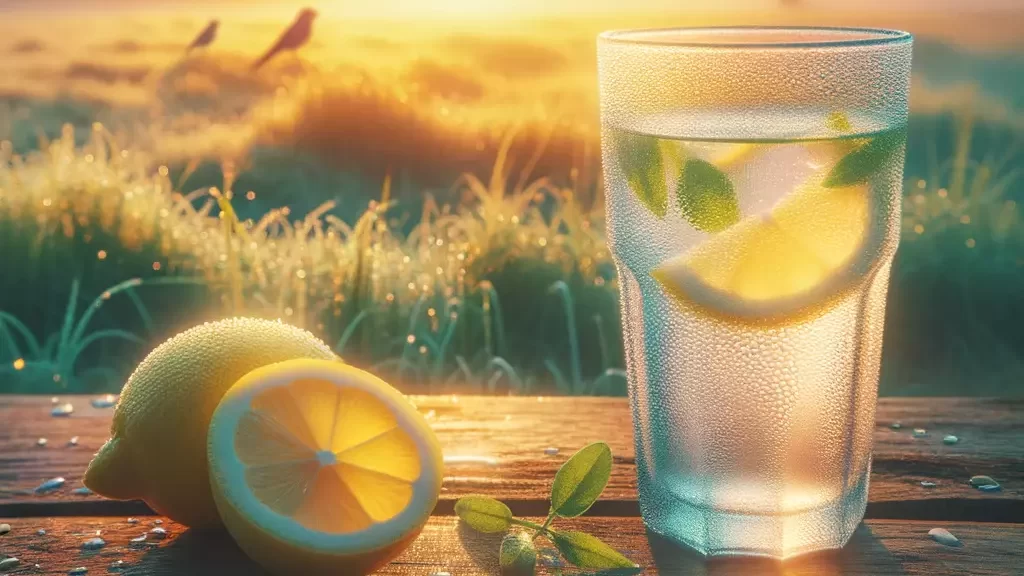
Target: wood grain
x=880, y=547
x=516, y=431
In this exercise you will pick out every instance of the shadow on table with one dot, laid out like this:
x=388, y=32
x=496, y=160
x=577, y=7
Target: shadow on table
x=196, y=553
x=482, y=548
x=865, y=554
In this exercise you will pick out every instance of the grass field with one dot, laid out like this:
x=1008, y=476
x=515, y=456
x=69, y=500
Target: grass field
x=436, y=217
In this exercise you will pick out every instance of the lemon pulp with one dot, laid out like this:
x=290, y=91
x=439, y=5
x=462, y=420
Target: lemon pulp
x=321, y=466
x=814, y=242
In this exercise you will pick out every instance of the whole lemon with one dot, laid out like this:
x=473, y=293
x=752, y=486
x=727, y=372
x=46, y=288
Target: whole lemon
x=157, y=449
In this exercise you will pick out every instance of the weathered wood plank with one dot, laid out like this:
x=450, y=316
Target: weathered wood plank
x=514, y=432
x=887, y=547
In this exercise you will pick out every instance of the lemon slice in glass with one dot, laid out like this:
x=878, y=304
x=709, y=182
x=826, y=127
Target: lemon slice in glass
x=321, y=468
x=814, y=243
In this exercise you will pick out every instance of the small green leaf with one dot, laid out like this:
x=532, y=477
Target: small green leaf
x=857, y=166
x=589, y=553
x=640, y=161
x=518, y=555
x=484, y=514
x=706, y=197
x=580, y=481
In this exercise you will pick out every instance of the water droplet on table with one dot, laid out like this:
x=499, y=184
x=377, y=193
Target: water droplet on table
x=78, y=571
x=950, y=439
x=4, y=529
x=927, y=484
x=94, y=544
x=41, y=442
x=81, y=491
x=440, y=574
x=920, y=433
x=158, y=533
x=61, y=410
x=107, y=401
x=990, y=488
x=54, y=399
x=50, y=485
x=158, y=521
x=133, y=520
x=41, y=532
x=895, y=425
x=942, y=536
x=981, y=481
x=73, y=441
x=8, y=563
x=138, y=540
x=551, y=451
x=118, y=566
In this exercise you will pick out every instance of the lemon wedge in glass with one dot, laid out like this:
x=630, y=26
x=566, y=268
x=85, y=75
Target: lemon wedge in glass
x=321, y=468
x=808, y=249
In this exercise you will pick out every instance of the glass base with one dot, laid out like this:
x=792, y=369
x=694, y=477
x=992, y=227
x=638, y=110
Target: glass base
x=714, y=532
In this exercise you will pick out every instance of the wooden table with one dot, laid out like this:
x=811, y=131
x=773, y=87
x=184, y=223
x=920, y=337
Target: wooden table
x=511, y=435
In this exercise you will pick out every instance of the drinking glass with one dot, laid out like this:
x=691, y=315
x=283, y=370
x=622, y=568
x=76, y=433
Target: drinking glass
x=753, y=188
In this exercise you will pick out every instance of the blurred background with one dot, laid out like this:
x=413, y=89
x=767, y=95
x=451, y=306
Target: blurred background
x=418, y=183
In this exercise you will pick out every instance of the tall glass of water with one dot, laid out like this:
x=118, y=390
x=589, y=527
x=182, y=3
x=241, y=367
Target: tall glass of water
x=753, y=180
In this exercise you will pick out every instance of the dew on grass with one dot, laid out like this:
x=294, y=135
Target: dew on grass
x=943, y=536
x=50, y=485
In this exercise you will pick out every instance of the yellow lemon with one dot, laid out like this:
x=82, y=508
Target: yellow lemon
x=815, y=243
x=157, y=449
x=321, y=468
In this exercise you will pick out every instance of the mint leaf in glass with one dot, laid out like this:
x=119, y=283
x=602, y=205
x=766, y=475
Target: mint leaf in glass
x=640, y=161
x=518, y=555
x=588, y=552
x=484, y=514
x=580, y=481
x=860, y=164
x=706, y=197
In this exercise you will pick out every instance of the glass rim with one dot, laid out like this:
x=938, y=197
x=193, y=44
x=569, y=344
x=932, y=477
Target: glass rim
x=649, y=37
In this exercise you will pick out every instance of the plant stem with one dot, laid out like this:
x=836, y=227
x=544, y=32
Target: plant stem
x=532, y=525
x=547, y=522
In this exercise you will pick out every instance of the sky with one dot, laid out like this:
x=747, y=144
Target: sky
x=471, y=8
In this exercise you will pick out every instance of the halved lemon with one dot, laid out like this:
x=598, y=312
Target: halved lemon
x=814, y=243
x=321, y=468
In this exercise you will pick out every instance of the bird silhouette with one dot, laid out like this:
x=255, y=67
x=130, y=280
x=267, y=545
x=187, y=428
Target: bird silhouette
x=294, y=37
x=206, y=37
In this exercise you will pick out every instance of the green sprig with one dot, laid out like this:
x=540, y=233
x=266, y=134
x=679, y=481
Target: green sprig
x=577, y=485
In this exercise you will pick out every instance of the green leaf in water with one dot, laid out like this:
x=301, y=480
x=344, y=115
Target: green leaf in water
x=706, y=197
x=640, y=161
x=484, y=514
x=580, y=481
x=588, y=552
x=860, y=164
x=518, y=556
